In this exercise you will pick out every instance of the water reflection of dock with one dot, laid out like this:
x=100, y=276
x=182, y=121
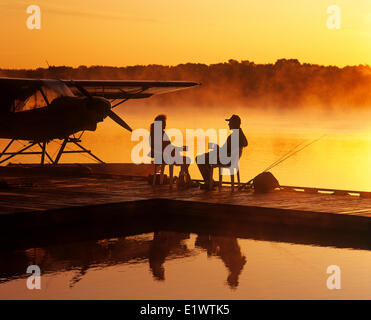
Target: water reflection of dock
x=155, y=249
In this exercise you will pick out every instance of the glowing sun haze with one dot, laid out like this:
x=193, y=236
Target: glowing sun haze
x=126, y=32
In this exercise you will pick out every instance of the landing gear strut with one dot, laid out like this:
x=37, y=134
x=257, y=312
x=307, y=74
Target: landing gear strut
x=76, y=142
x=43, y=152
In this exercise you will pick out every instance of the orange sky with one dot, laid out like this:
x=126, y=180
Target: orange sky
x=127, y=32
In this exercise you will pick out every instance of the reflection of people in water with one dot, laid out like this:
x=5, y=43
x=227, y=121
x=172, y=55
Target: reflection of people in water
x=162, y=245
x=228, y=250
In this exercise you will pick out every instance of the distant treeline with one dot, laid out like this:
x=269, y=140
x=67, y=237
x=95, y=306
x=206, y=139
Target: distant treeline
x=285, y=84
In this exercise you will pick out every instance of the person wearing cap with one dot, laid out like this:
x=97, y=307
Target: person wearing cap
x=203, y=161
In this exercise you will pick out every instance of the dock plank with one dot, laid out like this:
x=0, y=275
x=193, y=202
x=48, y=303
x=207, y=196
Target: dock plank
x=53, y=193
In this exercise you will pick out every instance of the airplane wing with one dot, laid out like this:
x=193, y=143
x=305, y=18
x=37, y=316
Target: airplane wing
x=126, y=89
x=12, y=89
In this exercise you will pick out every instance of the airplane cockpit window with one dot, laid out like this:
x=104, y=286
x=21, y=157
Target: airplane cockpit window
x=27, y=97
x=37, y=97
x=54, y=89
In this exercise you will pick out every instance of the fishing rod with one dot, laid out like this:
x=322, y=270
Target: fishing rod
x=288, y=155
x=282, y=158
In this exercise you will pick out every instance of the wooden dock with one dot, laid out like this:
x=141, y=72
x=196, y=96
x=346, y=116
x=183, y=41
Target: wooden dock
x=42, y=194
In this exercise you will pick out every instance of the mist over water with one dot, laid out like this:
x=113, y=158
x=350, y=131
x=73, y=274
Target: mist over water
x=341, y=159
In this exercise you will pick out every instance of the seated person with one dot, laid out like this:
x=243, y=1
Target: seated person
x=158, y=155
x=205, y=161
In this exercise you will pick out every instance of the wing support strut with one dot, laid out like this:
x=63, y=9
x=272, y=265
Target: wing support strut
x=126, y=99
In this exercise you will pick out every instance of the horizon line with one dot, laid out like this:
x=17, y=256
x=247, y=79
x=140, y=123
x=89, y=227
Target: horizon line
x=179, y=64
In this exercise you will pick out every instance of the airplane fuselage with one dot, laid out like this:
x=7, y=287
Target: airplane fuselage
x=63, y=117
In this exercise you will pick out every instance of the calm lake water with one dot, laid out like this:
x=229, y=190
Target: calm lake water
x=173, y=265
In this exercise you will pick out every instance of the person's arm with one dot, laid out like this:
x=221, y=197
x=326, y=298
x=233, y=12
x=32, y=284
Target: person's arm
x=166, y=141
x=242, y=143
x=227, y=145
x=213, y=146
x=243, y=140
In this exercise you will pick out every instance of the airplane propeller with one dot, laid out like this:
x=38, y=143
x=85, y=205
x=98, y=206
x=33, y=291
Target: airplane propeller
x=119, y=121
x=110, y=113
